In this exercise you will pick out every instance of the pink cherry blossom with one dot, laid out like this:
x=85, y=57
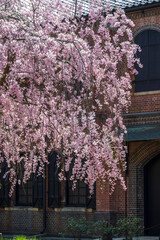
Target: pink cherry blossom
x=64, y=85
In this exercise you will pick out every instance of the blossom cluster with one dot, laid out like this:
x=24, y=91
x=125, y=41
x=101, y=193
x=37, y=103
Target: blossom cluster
x=64, y=84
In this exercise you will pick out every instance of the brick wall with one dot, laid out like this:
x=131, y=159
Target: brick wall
x=29, y=222
x=139, y=152
x=147, y=19
x=145, y=103
x=20, y=221
x=142, y=152
x=141, y=102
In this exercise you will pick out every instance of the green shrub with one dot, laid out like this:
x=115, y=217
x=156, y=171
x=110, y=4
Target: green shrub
x=22, y=237
x=81, y=227
x=130, y=227
x=76, y=227
x=102, y=229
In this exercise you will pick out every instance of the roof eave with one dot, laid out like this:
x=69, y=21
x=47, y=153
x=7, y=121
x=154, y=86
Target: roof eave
x=141, y=7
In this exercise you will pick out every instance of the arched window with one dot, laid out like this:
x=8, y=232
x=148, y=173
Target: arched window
x=148, y=78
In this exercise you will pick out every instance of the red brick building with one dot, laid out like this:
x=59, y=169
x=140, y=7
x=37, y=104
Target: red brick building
x=24, y=213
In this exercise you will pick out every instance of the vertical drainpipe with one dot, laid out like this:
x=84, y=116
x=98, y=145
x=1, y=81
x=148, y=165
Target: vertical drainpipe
x=126, y=171
x=75, y=11
x=44, y=200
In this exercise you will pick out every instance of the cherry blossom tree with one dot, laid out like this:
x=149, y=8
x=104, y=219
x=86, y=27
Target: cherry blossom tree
x=65, y=81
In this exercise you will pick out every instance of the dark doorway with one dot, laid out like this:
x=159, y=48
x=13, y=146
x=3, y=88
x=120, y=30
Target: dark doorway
x=152, y=197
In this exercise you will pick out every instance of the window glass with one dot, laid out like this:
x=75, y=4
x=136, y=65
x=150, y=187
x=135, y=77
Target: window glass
x=4, y=186
x=54, y=198
x=30, y=193
x=78, y=196
x=148, y=78
x=24, y=194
